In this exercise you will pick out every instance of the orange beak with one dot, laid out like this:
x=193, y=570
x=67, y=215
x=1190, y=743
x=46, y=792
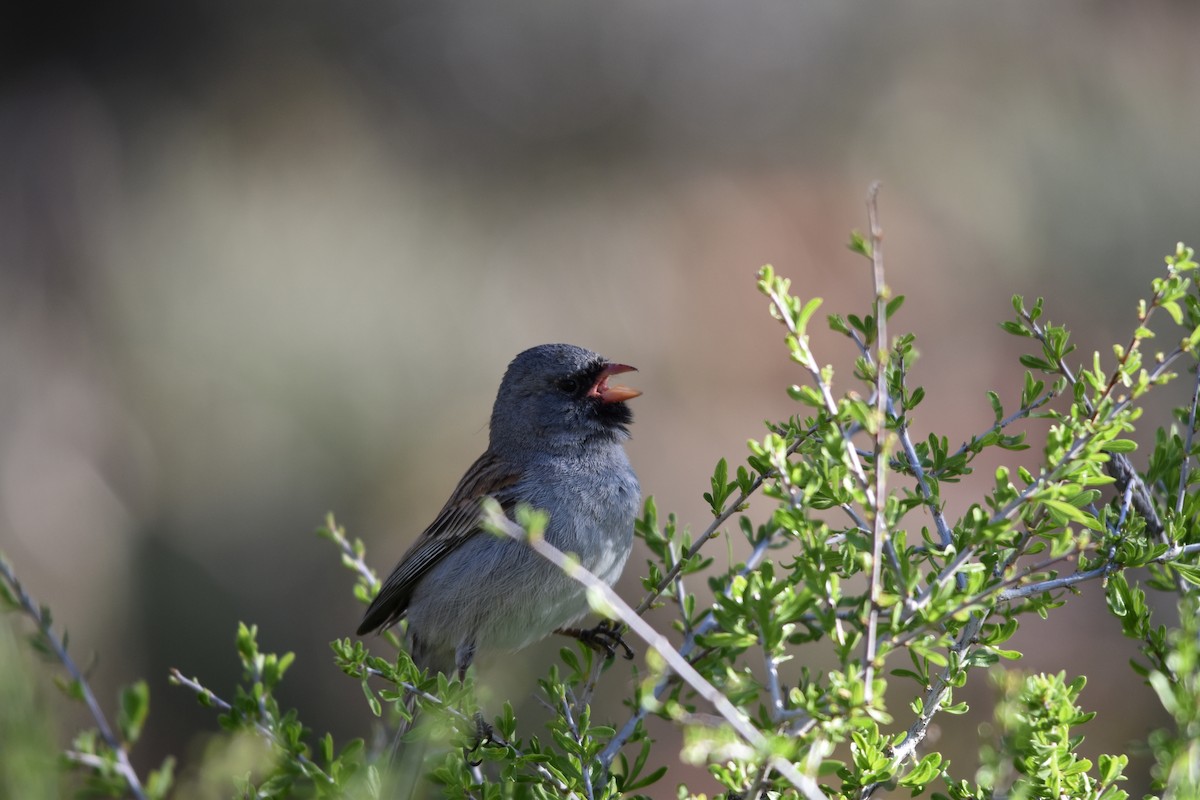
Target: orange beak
x=613, y=394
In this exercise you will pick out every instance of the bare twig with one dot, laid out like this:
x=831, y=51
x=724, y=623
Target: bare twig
x=1099, y=572
x=879, y=531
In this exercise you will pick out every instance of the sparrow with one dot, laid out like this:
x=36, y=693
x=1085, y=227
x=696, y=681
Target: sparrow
x=555, y=444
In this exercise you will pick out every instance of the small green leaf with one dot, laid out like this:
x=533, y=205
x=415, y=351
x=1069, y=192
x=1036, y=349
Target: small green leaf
x=135, y=706
x=926, y=770
x=858, y=244
x=1073, y=514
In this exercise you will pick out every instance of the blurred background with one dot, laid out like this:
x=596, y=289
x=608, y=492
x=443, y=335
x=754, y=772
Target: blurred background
x=259, y=262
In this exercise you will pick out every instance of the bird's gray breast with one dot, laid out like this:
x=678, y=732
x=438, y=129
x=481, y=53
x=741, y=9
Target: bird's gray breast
x=592, y=504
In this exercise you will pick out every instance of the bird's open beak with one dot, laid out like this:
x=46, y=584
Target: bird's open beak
x=613, y=394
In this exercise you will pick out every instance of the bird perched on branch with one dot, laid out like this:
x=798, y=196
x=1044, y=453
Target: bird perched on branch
x=555, y=444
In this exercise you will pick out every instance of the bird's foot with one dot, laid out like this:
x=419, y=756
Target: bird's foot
x=604, y=638
x=484, y=734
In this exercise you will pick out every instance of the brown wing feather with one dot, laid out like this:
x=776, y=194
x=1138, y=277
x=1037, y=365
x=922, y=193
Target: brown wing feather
x=455, y=523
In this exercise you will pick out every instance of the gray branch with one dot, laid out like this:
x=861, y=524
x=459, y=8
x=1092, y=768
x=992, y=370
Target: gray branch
x=59, y=647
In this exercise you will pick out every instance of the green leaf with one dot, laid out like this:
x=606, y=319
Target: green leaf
x=1072, y=514
x=1189, y=573
x=1111, y=767
x=806, y=313
x=925, y=771
x=135, y=706
x=997, y=408
x=807, y=395
x=372, y=700
x=159, y=783
x=1172, y=308
x=1033, y=362
x=645, y=780
x=859, y=244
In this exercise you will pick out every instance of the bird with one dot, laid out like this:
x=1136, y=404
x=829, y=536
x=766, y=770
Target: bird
x=556, y=444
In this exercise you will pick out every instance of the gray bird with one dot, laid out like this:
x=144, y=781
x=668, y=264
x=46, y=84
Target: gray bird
x=556, y=444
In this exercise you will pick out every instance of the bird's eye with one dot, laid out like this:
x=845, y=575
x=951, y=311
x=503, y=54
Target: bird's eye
x=568, y=385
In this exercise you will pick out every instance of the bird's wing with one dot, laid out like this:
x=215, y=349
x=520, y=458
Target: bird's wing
x=458, y=520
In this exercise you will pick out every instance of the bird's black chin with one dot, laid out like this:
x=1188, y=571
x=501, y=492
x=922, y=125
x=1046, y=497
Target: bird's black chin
x=614, y=416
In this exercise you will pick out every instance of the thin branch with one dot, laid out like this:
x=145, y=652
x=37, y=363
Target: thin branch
x=585, y=767
x=914, y=464
x=680, y=594
x=1044, y=477
x=59, y=647
x=888, y=549
x=1099, y=572
x=728, y=511
x=1118, y=466
x=760, y=780
x=932, y=703
x=1019, y=592
x=1186, y=466
x=902, y=639
x=495, y=737
x=589, y=688
x=773, y=685
x=412, y=689
x=807, y=360
x=1020, y=413
x=879, y=531
x=689, y=643
x=350, y=556
x=212, y=698
x=1135, y=341
x=944, y=575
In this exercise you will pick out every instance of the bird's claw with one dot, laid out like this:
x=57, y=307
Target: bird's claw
x=604, y=638
x=484, y=734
